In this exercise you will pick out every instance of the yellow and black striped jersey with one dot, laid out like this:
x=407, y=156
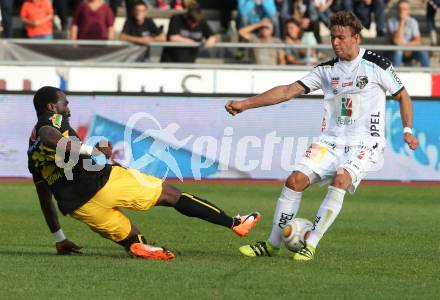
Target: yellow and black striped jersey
x=73, y=188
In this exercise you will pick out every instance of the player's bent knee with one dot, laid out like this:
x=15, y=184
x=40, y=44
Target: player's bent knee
x=169, y=196
x=341, y=182
x=297, y=181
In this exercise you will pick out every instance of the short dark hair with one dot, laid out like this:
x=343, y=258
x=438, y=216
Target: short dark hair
x=139, y=2
x=194, y=14
x=346, y=19
x=293, y=21
x=44, y=96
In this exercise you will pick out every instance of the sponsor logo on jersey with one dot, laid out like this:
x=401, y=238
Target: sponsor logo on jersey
x=344, y=84
x=335, y=83
x=353, y=164
x=361, y=154
x=374, y=124
x=331, y=145
x=368, y=64
x=346, y=107
x=361, y=81
x=56, y=120
x=323, y=124
x=394, y=76
x=54, y=176
x=316, y=152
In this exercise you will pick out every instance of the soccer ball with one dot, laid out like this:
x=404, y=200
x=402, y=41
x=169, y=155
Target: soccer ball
x=295, y=233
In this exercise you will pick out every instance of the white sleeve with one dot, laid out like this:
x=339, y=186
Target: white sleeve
x=312, y=81
x=390, y=81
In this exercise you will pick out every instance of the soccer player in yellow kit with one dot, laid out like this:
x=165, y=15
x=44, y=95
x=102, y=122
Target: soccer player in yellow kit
x=96, y=196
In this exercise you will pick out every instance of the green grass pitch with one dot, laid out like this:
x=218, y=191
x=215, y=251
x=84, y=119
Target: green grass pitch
x=384, y=245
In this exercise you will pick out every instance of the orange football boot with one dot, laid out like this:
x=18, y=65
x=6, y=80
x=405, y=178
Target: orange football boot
x=247, y=223
x=150, y=252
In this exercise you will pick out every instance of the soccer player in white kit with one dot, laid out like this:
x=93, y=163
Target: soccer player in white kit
x=352, y=139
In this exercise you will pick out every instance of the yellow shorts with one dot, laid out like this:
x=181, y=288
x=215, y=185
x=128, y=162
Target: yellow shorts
x=126, y=188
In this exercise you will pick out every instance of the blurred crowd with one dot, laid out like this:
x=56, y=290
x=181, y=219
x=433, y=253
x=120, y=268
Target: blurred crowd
x=297, y=22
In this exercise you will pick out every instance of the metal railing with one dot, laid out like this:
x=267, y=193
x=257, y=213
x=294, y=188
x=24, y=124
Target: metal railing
x=230, y=46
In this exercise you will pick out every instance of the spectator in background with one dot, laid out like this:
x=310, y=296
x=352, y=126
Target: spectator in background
x=129, y=4
x=322, y=10
x=253, y=11
x=365, y=8
x=37, y=17
x=303, y=12
x=6, y=7
x=339, y=5
x=93, y=20
x=139, y=29
x=289, y=9
x=114, y=4
x=404, y=31
x=226, y=11
x=263, y=56
x=431, y=9
x=187, y=28
x=293, y=36
x=60, y=7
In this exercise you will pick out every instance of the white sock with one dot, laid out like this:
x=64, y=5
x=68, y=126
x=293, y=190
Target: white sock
x=286, y=209
x=327, y=213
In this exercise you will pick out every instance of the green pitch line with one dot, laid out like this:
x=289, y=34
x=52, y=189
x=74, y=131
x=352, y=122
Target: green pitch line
x=384, y=245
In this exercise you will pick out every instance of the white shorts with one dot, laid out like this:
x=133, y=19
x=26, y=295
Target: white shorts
x=326, y=158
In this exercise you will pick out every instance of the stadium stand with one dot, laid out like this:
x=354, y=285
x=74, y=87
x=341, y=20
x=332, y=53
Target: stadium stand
x=217, y=14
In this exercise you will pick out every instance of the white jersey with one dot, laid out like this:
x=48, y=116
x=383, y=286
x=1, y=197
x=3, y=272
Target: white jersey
x=354, y=96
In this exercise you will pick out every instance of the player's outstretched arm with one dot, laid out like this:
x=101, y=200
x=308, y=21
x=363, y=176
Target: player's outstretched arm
x=273, y=96
x=50, y=137
x=406, y=113
x=63, y=245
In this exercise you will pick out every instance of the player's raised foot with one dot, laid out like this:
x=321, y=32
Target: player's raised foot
x=306, y=253
x=247, y=222
x=150, y=252
x=259, y=249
